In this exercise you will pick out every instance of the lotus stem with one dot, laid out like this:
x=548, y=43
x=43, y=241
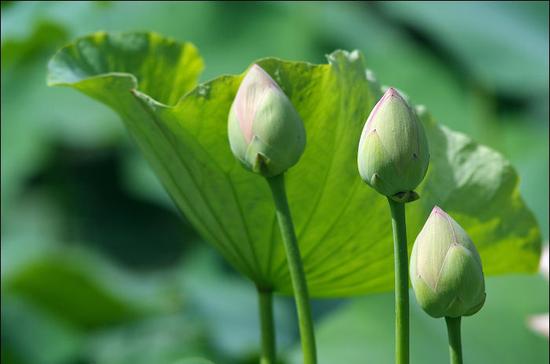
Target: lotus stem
x=401, y=281
x=455, y=342
x=269, y=349
x=297, y=275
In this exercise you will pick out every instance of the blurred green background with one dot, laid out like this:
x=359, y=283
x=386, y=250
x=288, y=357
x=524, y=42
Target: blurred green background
x=97, y=266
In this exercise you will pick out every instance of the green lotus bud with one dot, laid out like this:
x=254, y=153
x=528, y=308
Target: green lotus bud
x=265, y=131
x=445, y=269
x=393, y=152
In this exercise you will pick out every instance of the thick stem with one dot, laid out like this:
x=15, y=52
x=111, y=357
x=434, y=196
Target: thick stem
x=269, y=351
x=297, y=275
x=455, y=344
x=401, y=281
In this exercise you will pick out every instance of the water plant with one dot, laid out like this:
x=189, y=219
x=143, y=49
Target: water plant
x=342, y=233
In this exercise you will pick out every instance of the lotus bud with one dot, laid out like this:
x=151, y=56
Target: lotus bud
x=445, y=269
x=393, y=152
x=266, y=133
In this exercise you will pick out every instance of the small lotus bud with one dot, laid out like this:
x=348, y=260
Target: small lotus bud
x=445, y=269
x=265, y=131
x=393, y=152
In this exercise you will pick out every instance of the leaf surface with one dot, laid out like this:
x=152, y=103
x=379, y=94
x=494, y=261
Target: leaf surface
x=343, y=226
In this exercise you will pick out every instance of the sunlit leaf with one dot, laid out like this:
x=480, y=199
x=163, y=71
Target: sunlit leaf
x=342, y=225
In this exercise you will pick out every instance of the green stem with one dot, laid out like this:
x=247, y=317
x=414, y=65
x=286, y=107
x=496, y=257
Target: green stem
x=401, y=281
x=297, y=275
x=269, y=351
x=455, y=345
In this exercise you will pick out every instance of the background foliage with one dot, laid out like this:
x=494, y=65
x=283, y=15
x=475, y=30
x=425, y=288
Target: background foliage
x=96, y=265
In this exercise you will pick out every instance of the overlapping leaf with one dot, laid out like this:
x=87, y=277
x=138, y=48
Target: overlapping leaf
x=342, y=225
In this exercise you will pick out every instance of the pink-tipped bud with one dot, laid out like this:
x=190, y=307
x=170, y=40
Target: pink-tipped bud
x=265, y=132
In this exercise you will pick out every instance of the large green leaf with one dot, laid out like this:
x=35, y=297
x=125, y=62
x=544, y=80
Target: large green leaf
x=342, y=225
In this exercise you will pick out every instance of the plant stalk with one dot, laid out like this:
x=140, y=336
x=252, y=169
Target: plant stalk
x=455, y=342
x=269, y=351
x=297, y=275
x=401, y=268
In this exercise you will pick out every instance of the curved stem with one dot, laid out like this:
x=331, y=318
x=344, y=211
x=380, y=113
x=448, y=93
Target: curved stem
x=269, y=351
x=455, y=344
x=297, y=275
x=401, y=281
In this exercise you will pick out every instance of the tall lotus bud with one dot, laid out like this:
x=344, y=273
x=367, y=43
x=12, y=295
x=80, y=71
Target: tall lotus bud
x=393, y=152
x=265, y=131
x=445, y=269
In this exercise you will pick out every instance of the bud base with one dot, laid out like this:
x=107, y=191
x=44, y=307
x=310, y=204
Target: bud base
x=404, y=197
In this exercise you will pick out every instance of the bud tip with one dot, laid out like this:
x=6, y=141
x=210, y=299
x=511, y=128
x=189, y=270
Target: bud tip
x=438, y=211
